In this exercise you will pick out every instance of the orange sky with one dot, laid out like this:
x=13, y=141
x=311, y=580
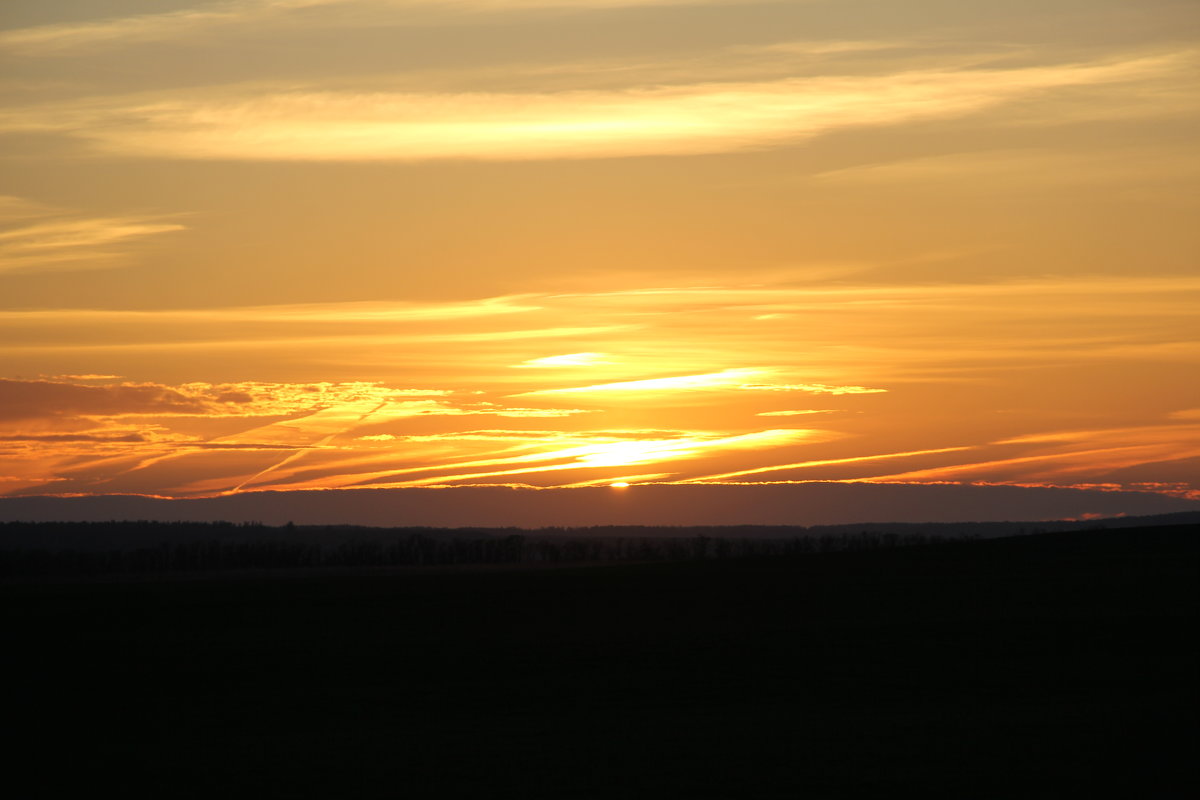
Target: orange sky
x=302, y=244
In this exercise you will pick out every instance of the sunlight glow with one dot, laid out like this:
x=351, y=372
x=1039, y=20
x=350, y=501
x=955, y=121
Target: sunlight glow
x=730, y=378
x=567, y=360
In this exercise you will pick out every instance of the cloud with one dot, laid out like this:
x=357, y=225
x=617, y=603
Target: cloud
x=566, y=360
x=995, y=169
x=469, y=456
x=337, y=339
x=62, y=399
x=121, y=435
x=725, y=476
x=1046, y=466
x=299, y=125
x=811, y=388
x=795, y=413
x=832, y=339
x=691, y=358
x=75, y=437
x=37, y=399
x=67, y=38
x=1059, y=457
x=355, y=311
x=438, y=408
x=59, y=241
x=14, y=208
x=730, y=379
x=586, y=451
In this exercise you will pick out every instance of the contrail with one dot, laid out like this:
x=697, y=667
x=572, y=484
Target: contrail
x=301, y=453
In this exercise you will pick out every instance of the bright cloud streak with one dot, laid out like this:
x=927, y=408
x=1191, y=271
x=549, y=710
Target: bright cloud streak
x=567, y=360
x=726, y=379
x=1091, y=460
x=795, y=413
x=58, y=241
x=715, y=380
x=565, y=452
x=811, y=388
x=358, y=311
x=823, y=463
x=602, y=455
x=672, y=120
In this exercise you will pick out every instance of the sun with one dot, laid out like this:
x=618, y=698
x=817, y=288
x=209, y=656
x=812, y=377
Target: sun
x=619, y=484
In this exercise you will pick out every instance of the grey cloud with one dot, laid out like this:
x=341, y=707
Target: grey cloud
x=42, y=399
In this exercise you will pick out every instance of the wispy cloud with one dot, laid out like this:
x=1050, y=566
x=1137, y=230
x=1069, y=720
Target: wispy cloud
x=795, y=412
x=566, y=360
x=831, y=339
x=61, y=241
x=127, y=432
x=568, y=453
x=696, y=353
x=65, y=398
x=725, y=476
x=39, y=399
x=657, y=120
x=997, y=168
x=366, y=311
x=66, y=38
x=811, y=388
x=336, y=340
x=71, y=244
x=701, y=335
x=1047, y=466
x=17, y=208
x=1066, y=456
x=730, y=379
x=58, y=438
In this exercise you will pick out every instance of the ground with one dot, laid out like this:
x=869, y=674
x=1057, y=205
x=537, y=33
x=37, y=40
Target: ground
x=1056, y=665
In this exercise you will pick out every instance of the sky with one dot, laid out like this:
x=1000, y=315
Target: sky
x=255, y=245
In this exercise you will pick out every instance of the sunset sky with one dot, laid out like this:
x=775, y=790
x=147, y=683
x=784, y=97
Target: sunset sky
x=312, y=244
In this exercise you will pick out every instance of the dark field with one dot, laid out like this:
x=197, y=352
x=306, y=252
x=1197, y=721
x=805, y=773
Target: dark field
x=1057, y=665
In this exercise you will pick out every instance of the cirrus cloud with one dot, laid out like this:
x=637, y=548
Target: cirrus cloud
x=232, y=123
x=40, y=237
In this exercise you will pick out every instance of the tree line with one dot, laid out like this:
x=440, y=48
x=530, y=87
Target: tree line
x=285, y=548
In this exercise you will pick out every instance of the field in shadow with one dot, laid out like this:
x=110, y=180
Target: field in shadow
x=1056, y=665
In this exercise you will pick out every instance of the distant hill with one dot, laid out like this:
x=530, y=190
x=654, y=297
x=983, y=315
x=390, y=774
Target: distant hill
x=131, y=534
x=806, y=504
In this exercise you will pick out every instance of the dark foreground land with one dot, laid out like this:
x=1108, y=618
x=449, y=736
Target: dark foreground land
x=1048, y=666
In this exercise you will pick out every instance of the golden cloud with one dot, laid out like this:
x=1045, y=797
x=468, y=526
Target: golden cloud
x=231, y=123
